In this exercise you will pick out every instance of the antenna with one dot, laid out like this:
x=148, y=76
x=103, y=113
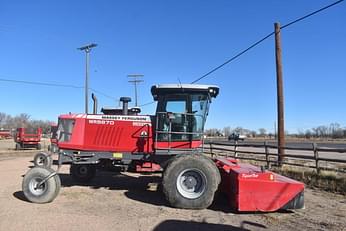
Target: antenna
x=181, y=86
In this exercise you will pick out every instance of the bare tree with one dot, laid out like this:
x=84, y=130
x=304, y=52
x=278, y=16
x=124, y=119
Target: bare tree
x=2, y=118
x=262, y=131
x=238, y=130
x=253, y=133
x=23, y=120
x=213, y=132
x=227, y=131
x=308, y=134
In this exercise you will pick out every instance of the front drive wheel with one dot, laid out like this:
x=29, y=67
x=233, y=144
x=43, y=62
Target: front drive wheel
x=82, y=172
x=44, y=193
x=190, y=181
x=42, y=159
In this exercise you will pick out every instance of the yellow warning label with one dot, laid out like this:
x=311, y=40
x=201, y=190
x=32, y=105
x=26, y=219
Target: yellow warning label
x=117, y=155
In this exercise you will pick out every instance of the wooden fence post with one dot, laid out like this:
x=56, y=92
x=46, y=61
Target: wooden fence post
x=235, y=148
x=315, y=148
x=266, y=150
x=211, y=150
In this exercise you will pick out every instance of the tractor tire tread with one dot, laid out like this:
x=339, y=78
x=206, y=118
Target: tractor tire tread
x=52, y=185
x=184, y=161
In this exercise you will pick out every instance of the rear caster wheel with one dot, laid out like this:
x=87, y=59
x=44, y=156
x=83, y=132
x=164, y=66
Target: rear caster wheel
x=82, y=172
x=42, y=159
x=40, y=193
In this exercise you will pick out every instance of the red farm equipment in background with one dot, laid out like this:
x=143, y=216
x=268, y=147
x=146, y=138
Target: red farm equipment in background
x=5, y=134
x=28, y=138
x=170, y=141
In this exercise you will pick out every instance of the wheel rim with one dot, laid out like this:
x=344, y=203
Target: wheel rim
x=37, y=191
x=82, y=171
x=191, y=183
x=41, y=160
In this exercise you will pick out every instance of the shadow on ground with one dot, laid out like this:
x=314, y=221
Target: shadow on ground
x=173, y=225
x=144, y=188
x=20, y=196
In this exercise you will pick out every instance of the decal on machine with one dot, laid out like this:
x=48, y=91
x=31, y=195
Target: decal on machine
x=140, y=124
x=252, y=175
x=144, y=134
x=119, y=117
x=104, y=122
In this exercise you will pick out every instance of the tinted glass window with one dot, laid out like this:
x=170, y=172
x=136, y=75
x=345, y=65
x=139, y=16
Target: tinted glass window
x=199, y=111
x=65, y=127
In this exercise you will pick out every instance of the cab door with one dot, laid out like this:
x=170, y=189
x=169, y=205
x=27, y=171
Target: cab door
x=172, y=125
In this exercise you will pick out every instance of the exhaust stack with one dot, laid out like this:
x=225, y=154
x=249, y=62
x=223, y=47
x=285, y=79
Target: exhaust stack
x=93, y=96
x=125, y=101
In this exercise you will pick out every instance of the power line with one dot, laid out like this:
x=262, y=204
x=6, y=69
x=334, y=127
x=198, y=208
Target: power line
x=309, y=15
x=53, y=85
x=264, y=38
x=147, y=104
x=40, y=83
x=234, y=57
x=101, y=93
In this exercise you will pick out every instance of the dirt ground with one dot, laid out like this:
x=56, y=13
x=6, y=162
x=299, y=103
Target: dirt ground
x=128, y=201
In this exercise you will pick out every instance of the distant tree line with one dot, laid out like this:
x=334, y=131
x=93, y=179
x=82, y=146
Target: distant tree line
x=226, y=131
x=333, y=130
x=23, y=120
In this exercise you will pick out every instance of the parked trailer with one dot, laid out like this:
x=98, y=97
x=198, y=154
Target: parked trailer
x=5, y=134
x=169, y=141
x=28, y=138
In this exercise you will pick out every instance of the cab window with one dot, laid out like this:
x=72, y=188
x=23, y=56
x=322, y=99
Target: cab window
x=173, y=122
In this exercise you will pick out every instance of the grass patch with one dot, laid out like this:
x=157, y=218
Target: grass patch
x=326, y=180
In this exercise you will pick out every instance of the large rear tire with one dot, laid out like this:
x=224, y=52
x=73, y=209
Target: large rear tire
x=82, y=172
x=45, y=193
x=190, y=181
x=42, y=159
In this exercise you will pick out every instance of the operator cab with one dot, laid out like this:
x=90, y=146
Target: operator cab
x=181, y=113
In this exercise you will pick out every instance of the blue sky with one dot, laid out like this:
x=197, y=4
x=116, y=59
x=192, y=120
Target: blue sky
x=168, y=41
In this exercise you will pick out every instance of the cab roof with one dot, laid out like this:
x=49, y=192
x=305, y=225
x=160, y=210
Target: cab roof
x=164, y=89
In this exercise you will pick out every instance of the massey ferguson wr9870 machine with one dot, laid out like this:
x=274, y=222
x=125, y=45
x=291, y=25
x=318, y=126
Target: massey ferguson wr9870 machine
x=169, y=141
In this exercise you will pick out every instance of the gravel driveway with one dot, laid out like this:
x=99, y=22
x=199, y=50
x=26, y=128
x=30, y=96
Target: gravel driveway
x=128, y=201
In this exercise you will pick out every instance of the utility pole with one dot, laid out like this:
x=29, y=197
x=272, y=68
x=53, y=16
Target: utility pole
x=87, y=50
x=135, y=81
x=280, y=96
x=275, y=131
